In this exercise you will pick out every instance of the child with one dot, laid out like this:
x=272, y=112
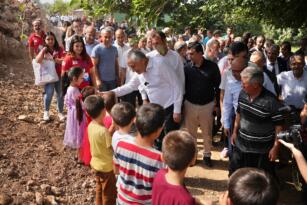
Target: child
x=101, y=150
x=137, y=160
x=250, y=186
x=75, y=122
x=178, y=153
x=109, y=100
x=123, y=115
x=85, y=153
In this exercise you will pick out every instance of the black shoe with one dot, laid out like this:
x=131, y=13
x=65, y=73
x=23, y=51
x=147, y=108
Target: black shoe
x=208, y=161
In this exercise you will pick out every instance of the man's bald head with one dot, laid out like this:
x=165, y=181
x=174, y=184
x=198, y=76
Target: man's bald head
x=90, y=29
x=90, y=34
x=258, y=58
x=120, y=36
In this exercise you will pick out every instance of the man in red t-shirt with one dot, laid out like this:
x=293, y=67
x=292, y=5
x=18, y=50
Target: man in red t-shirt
x=36, y=39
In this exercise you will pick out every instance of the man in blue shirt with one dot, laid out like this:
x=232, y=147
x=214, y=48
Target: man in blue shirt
x=105, y=59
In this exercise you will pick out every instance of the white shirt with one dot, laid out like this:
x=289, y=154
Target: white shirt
x=230, y=102
x=223, y=64
x=293, y=90
x=270, y=66
x=172, y=60
x=267, y=83
x=117, y=137
x=160, y=84
x=121, y=50
x=227, y=75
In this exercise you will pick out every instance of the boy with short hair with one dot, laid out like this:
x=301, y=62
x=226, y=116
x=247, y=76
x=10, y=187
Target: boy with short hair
x=251, y=186
x=137, y=160
x=123, y=115
x=178, y=153
x=101, y=150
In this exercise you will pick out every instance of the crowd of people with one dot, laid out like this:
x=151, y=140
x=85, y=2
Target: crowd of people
x=135, y=104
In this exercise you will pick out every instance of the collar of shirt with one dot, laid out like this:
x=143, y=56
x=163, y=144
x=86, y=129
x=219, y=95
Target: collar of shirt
x=201, y=67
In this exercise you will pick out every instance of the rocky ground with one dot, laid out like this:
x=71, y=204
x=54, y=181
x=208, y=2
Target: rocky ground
x=34, y=168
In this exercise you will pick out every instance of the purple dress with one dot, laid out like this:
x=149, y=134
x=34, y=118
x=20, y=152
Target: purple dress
x=74, y=131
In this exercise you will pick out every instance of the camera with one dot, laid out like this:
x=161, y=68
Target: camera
x=293, y=135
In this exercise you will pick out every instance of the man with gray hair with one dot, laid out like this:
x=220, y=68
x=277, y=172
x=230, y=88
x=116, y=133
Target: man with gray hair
x=157, y=84
x=257, y=122
x=105, y=60
x=212, y=50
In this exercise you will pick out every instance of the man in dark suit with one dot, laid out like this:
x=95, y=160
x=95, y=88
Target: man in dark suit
x=274, y=64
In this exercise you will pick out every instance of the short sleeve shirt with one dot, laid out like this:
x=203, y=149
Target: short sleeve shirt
x=101, y=148
x=36, y=42
x=71, y=61
x=106, y=58
x=293, y=90
x=165, y=193
x=257, y=122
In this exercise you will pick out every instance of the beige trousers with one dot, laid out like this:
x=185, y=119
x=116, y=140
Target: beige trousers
x=200, y=116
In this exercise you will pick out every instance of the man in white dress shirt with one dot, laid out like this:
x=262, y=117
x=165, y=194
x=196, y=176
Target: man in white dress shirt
x=231, y=95
x=171, y=58
x=157, y=84
x=122, y=48
x=294, y=83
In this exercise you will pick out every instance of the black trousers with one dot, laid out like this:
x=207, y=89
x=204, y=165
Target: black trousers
x=131, y=98
x=241, y=159
x=169, y=126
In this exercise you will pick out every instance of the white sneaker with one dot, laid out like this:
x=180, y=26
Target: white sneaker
x=46, y=116
x=61, y=117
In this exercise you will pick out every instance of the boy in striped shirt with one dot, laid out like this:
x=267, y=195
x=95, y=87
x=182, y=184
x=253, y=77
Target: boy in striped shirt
x=136, y=159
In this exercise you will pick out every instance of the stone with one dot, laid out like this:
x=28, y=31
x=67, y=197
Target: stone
x=5, y=199
x=27, y=195
x=50, y=200
x=12, y=173
x=39, y=198
x=46, y=188
x=56, y=191
x=30, y=182
x=22, y=117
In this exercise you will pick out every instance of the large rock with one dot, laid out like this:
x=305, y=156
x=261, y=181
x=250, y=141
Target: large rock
x=5, y=199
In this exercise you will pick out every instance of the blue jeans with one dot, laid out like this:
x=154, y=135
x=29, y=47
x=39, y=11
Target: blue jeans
x=48, y=94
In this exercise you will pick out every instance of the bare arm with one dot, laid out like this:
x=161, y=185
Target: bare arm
x=274, y=150
x=117, y=71
x=96, y=71
x=40, y=56
x=235, y=129
x=300, y=160
x=31, y=53
x=122, y=75
x=93, y=76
